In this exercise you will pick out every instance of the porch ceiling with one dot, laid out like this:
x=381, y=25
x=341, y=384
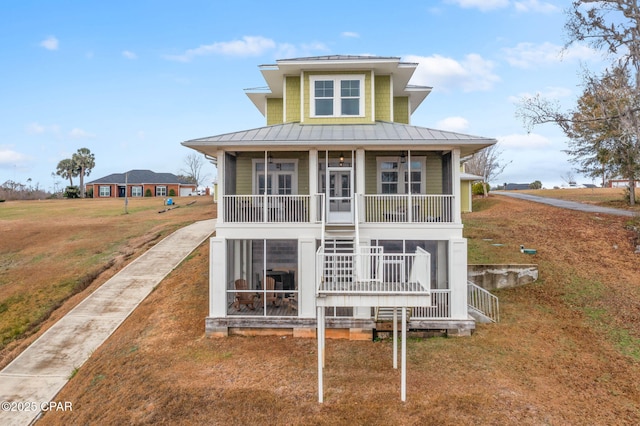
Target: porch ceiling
x=296, y=136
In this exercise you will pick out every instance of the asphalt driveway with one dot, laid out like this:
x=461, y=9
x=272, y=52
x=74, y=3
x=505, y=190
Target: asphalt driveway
x=572, y=205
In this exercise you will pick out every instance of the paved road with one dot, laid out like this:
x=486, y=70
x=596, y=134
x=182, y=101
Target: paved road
x=572, y=205
x=34, y=378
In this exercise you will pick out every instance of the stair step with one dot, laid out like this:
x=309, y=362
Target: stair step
x=384, y=313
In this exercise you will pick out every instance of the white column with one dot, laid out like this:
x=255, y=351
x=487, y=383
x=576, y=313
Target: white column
x=220, y=193
x=320, y=337
x=217, y=277
x=458, y=278
x=306, y=277
x=313, y=184
x=395, y=338
x=455, y=185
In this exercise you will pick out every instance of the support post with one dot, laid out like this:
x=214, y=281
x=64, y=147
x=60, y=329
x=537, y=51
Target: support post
x=395, y=338
x=320, y=336
x=403, y=378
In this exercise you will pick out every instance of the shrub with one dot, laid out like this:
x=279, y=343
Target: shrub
x=477, y=189
x=72, y=192
x=172, y=193
x=147, y=193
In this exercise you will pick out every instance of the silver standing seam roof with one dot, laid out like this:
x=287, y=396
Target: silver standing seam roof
x=375, y=136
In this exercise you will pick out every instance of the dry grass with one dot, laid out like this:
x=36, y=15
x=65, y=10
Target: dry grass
x=51, y=250
x=566, y=352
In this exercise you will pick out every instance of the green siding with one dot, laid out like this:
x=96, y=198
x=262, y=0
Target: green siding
x=274, y=111
x=339, y=120
x=433, y=173
x=465, y=197
x=401, y=109
x=292, y=95
x=383, y=97
x=244, y=175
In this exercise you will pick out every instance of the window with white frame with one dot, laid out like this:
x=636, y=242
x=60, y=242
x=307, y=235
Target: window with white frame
x=161, y=191
x=337, y=96
x=394, y=178
x=105, y=191
x=136, y=191
x=281, y=177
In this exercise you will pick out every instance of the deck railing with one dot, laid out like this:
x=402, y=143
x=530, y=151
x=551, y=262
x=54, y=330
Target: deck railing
x=440, y=306
x=483, y=301
x=370, y=271
x=408, y=208
x=269, y=208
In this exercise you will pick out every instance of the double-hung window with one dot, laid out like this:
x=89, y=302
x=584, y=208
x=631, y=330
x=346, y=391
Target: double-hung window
x=337, y=96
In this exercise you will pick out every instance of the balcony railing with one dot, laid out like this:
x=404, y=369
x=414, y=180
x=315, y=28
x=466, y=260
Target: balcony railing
x=408, y=208
x=370, y=271
x=270, y=208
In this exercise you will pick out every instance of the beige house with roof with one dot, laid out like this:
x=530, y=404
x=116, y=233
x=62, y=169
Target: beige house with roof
x=340, y=210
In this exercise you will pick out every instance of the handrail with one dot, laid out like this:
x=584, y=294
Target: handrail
x=483, y=301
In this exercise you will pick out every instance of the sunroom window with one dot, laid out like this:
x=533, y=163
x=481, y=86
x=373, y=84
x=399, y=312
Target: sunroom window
x=281, y=177
x=337, y=96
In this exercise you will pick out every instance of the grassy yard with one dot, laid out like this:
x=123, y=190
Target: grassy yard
x=606, y=197
x=566, y=352
x=53, y=249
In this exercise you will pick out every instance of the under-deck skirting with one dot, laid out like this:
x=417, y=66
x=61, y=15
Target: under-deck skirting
x=337, y=328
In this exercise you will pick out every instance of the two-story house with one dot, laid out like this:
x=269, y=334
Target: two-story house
x=339, y=207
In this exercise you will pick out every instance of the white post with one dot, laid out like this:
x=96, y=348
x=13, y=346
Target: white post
x=320, y=337
x=403, y=373
x=395, y=338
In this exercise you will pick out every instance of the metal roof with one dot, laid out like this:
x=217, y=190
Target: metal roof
x=140, y=177
x=374, y=136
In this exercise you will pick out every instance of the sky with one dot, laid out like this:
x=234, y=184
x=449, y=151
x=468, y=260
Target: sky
x=131, y=80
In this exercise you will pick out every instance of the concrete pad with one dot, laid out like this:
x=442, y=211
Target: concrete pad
x=34, y=378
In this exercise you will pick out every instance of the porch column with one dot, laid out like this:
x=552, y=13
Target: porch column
x=455, y=184
x=458, y=278
x=363, y=312
x=218, y=277
x=313, y=185
x=220, y=187
x=307, y=277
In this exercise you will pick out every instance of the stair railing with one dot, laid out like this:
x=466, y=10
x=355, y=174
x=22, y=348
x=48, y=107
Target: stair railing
x=483, y=302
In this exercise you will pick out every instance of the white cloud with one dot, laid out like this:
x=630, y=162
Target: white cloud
x=40, y=129
x=129, y=55
x=50, y=43
x=473, y=73
x=250, y=46
x=350, y=34
x=535, y=6
x=9, y=157
x=76, y=133
x=528, y=141
x=247, y=46
x=529, y=55
x=482, y=5
x=453, y=124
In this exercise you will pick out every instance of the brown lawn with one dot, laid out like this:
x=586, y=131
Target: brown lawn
x=51, y=250
x=567, y=350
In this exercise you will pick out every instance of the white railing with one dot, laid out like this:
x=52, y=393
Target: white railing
x=372, y=272
x=409, y=208
x=267, y=208
x=440, y=306
x=483, y=301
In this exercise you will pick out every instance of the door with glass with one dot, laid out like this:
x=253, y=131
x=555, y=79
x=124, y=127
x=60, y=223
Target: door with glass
x=339, y=195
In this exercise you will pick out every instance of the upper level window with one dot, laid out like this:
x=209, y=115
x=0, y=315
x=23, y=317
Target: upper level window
x=394, y=178
x=337, y=96
x=280, y=179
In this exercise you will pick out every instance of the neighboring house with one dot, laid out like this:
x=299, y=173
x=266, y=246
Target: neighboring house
x=339, y=208
x=516, y=186
x=140, y=183
x=466, y=190
x=621, y=183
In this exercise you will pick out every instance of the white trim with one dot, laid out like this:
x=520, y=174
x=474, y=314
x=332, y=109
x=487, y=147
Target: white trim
x=401, y=170
x=337, y=105
x=302, y=96
x=274, y=173
x=391, y=102
x=373, y=95
x=284, y=99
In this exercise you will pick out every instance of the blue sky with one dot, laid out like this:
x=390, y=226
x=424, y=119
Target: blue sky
x=130, y=80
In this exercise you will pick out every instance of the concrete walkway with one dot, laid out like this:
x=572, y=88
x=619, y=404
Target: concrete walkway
x=34, y=378
x=572, y=205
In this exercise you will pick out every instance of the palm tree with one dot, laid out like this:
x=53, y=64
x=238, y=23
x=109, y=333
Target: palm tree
x=67, y=170
x=84, y=161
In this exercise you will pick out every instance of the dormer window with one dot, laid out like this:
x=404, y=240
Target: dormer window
x=337, y=96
